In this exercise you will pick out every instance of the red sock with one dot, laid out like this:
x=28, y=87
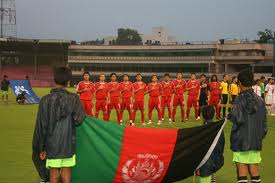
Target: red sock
x=118, y=116
x=150, y=115
x=159, y=114
x=174, y=113
x=217, y=111
x=182, y=114
x=134, y=116
x=187, y=113
x=121, y=115
x=108, y=117
x=196, y=112
x=96, y=114
x=163, y=112
x=105, y=116
x=142, y=116
x=130, y=115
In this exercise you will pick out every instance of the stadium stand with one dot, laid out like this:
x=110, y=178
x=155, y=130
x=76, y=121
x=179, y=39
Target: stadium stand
x=34, y=58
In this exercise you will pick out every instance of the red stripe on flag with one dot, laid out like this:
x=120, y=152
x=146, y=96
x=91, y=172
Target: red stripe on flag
x=145, y=155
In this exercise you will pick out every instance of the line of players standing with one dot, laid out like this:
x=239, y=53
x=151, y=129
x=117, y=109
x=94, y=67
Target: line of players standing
x=267, y=92
x=168, y=94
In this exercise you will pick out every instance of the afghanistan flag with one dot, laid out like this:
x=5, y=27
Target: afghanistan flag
x=107, y=152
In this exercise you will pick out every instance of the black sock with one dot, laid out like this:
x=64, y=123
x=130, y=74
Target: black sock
x=256, y=179
x=199, y=111
x=242, y=179
x=223, y=112
x=220, y=110
x=213, y=178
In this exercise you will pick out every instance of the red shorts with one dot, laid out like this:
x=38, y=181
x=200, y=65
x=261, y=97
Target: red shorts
x=138, y=105
x=101, y=105
x=178, y=100
x=114, y=104
x=154, y=102
x=126, y=104
x=166, y=101
x=88, y=106
x=214, y=99
x=192, y=101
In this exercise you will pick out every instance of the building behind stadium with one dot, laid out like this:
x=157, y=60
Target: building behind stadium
x=37, y=58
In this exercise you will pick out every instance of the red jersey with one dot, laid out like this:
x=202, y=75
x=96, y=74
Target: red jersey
x=87, y=95
x=194, y=91
x=126, y=89
x=113, y=89
x=139, y=95
x=101, y=94
x=157, y=91
x=181, y=84
x=214, y=88
x=167, y=88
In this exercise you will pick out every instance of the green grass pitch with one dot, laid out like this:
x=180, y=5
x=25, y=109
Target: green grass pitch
x=16, y=130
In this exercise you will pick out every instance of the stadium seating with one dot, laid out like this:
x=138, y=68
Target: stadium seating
x=44, y=77
x=42, y=83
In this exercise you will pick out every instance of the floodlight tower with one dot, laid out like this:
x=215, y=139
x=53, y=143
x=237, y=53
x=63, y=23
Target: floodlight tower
x=273, y=65
x=7, y=18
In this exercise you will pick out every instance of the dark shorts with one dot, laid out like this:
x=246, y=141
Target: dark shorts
x=203, y=100
x=224, y=99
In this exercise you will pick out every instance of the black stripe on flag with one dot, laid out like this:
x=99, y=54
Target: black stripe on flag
x=190, y=149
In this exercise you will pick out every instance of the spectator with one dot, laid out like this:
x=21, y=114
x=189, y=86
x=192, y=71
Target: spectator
x=5, y=89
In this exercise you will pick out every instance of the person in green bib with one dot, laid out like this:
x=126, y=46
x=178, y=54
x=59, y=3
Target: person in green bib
x=262, y=86
x=248, y=130
x=5, y=83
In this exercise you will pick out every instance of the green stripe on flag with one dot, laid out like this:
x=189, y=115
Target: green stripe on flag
x=98, y=151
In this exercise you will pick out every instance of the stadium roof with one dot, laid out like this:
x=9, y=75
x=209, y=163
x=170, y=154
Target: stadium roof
x=31, y=47
x=35, y=40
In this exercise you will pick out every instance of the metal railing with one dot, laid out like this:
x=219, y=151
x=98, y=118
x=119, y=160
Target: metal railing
x=173, y=43
x=186, y=75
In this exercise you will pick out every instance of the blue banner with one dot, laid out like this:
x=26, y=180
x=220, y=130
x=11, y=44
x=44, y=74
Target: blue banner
x=19, y=86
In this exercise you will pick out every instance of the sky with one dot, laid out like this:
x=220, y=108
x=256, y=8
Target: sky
x=186, y=20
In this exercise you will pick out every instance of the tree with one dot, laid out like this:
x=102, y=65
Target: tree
x=265, y=36
x=113, y=42
x=128, y=37
x=94, y=42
